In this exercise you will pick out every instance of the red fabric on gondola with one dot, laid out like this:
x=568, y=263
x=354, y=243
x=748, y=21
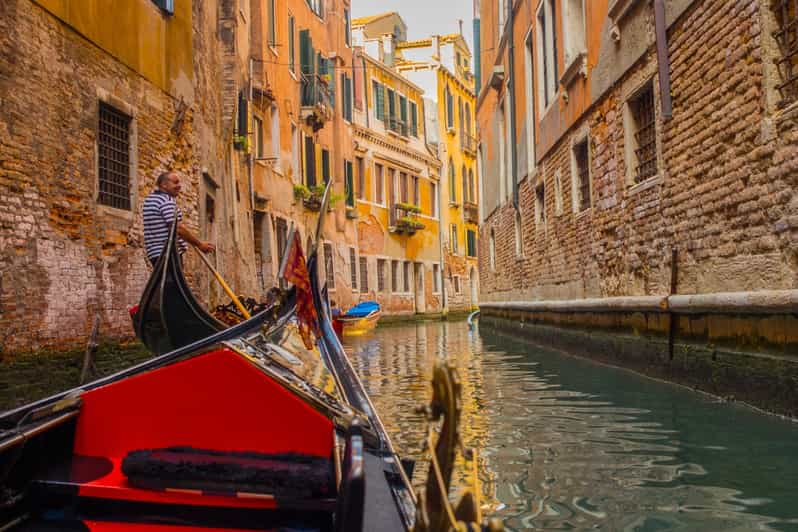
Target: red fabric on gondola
x=296, y=273
x=105, y=526
x=217, y=401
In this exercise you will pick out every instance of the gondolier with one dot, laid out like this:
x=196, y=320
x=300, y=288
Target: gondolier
x=159, y=212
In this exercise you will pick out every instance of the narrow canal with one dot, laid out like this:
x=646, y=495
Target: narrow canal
x=568, y=444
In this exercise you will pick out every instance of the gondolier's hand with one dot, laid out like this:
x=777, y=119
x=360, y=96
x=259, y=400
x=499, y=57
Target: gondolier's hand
x=206, y=247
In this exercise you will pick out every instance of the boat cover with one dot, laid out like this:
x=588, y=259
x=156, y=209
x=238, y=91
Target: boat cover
x=361, y=310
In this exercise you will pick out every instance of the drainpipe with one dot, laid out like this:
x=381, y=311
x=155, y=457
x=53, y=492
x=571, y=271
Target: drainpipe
x=511, y=92
x=663, y=61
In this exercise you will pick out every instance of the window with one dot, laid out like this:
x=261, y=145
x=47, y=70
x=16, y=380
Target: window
x=317, y=6
x=472, y=187
x=558, y=192
x=294, y=151
x=464, y=178
x=167, y=5
x=547, y=52
x=402, y=129
x=348, y=27
x=416, y=192
x=461, y=110
x=394, y=276
x=329, y=265
x=641, y=138
x=272, y=25
x=379, y=100
x=403, y=187
x=501, y=7
x=492, y=250
x=453, y=238
x=581, y=176
x=349, y=185
x=433, y=198
x=786, y=12
x=456, y=281
x=573, y=29
x=529, y=91
x=291, y=45
x=353, y=267
x=346, y=97
x=391, y=108
x=449, y=109
x=471, y=243
x=364, y=274
x=281, y=230
x=113, y=147
x=380, y=275
x=379, y=184
x=414, y=119
x=275, y=116
x=257, y=125
x=519, y=243
x=408, y=275
x=360, y=170
x=325, y=165
x=436, y=278
x=310, y=162
x=452, y=183
x=540, y=204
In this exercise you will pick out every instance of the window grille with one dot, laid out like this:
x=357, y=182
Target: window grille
x=583, y=174
x=645, y=134
x=407, y=276
x=436, y=278
x=787, y=36
x=353, y=267
x=394, y=276
x=364, y=275
x=329, y=272
x=113, y=143
x=380, y=275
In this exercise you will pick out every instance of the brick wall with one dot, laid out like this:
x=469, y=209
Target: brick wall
x=725, y=196
x=63, y=257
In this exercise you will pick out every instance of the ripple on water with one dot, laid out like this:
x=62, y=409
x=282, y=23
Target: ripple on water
x=570, y=445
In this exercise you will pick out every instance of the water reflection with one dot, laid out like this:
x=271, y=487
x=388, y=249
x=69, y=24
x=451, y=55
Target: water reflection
x=571, y=445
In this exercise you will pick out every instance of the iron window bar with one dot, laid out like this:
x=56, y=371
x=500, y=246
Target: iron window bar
x=646, y=152
x=113, y=143
x=786, y=12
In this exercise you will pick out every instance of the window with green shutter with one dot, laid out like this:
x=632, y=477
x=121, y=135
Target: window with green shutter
x=310, y=162
x=402, y=115
x=471, y=243
x=379, y=100
x=325, y=165
x=413, y=119
x=349, y=184
x=291, y=46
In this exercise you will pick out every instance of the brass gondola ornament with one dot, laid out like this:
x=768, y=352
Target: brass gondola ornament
x=434, y=512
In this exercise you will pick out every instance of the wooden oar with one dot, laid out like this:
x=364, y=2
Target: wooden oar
x=224, y=285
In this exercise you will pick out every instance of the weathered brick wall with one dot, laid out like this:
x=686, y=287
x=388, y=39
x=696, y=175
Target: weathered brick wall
x=63, y=258
x=727, y=195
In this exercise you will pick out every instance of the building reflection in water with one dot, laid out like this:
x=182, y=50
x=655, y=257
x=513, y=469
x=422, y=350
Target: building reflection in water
x=567, y=444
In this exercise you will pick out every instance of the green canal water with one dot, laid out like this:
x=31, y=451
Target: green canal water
x=567, y=444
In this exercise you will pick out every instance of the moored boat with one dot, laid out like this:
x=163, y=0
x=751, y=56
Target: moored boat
x=360, y=319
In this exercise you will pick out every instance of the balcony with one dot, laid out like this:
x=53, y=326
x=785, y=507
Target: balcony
x=317, y=103
x=404, y=220
x=468, y=144
x=396, y=125
x=471, y=212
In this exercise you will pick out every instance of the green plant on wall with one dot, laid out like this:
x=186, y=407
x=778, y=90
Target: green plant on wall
x=408, y=207
x=241, y=142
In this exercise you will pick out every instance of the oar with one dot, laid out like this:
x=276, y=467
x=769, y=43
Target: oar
x=224, y=285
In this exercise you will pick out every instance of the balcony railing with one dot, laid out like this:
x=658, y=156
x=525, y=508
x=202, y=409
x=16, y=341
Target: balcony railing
x=396, y=125
x=471, y=212
x=468, y=143
x=316, y=100
x=404, y=219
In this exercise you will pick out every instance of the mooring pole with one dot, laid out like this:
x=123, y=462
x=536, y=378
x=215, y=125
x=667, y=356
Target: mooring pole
x=672, y=320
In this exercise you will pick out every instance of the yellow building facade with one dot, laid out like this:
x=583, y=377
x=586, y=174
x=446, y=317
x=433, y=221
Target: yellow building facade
x=442, y=63
x=396, y=185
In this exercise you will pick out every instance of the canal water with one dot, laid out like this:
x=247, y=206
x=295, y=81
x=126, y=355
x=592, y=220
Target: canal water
x=567, y=444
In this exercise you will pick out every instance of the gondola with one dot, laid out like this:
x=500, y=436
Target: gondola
x=229, y=428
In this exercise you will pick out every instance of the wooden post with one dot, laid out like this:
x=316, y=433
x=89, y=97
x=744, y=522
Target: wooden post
x=91, y=349
x=671, y=316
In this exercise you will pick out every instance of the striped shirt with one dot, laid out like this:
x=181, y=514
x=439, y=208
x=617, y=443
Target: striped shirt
x=159, y=212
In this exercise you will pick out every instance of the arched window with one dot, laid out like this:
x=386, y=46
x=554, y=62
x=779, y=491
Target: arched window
x=452, y=181
x=467, y=118
x=472, y=190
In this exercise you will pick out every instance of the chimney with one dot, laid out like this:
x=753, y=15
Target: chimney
x=460, y=21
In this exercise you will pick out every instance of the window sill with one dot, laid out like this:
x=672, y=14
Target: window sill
x=577, y=67
x=274, y=51
x=450, y=131
x=583, y=213
x=293, y=74
x=119, y=214
x=789, y=112
x=454, y=205
x=644, y=185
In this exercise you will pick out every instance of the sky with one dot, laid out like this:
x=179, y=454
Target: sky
x=424, y=17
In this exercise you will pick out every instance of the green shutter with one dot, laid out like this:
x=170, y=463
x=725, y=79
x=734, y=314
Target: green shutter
x=413, y=119
x=379, y=99
x=306, y=56
x=325, y=166
x=291, y=49
x=403, y=115
x=348, y=96
x=349, y=184
x=330, y=76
